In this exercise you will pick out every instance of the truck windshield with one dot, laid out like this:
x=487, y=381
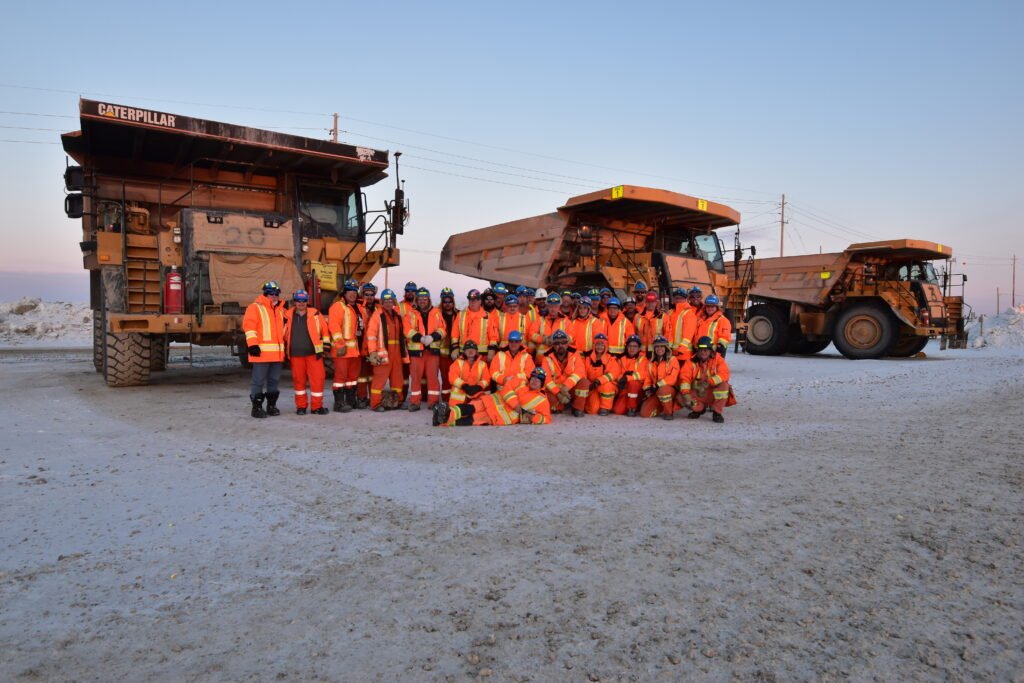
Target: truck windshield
x=329, y=212
x=922, y=272
x=709, y=249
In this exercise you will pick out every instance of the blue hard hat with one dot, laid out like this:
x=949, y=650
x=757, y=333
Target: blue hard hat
x=601, y=336
x=521, y=289
x=640, y=286
x=388, y=295
x=711, y=301
x=423, y=291
x=554, y=299
x=605, y=290
x=515, y=336
x=351, y=285
x=559, y=335
x=369, y=288
x=530, y=291
x=539, y=373
x=614, y=301
x=271, y=287
x=696, y=290
x=679, y=291
x=301, y=295
x=511, y=299
x=500, y=288
x=447, y=293
x=411, y=286
x=634, y=338
x=661, y=340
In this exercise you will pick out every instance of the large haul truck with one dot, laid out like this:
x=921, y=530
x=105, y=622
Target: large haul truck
x=871, y=300
x=183, y=219
x=609, y=238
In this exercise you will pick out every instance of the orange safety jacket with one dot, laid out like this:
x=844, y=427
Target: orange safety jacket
x=682, y=326
x=364, y=316
x=343, y=325
x=263, y=324
x=499, y=326
x=463, y=372
x=470, y=325
x=507, y=368
x=635, y=368
x=542, y=329
x=384, y=335
x=412, y=324
x=662, y=373
x=449, y=328
x=649, y=326
x=618, y=332
x=601, y=370
x=562, y=374
x=315, y=325
x=584, y=330
x=404, y=306
x=533, y=401
x=713, y=372
x=717, y=327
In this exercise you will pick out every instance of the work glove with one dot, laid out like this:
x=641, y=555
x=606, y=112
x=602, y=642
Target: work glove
x=427, y=339
x=563, y=396
x=373, y=358
x=320, y=356
x=721, y=348
x=472, y=389
x=622, y=382
x=648, y=392
x=254, y=351
x=455, y=354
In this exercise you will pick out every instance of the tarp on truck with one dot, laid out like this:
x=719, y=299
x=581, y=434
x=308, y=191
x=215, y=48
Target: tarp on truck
x=239, y=278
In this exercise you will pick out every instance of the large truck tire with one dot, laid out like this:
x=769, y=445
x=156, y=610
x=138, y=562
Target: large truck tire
x=864, y=331
x=98, y=340
x=802, y=346
x=157, y=353
x=128, y=359
x=767, y=331
x=905, y=347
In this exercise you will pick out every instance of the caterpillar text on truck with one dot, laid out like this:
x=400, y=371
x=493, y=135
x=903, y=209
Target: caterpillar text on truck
x=183, y=219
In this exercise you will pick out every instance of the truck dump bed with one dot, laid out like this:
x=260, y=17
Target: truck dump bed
x=806, y=279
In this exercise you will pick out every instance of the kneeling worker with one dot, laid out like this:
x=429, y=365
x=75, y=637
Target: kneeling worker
x=705, y=379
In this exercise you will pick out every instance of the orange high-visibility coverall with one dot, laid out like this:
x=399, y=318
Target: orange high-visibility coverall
x=562, y=376
x=649, y=326
x=365, y=369
x=680, y=330
x=470, y=325
x=503, y=408
x=263, y=324
x=343, y=324
x=584, y=330
x=446, y=354
x=308, y=368
x=539, y=334
x=424, y=363
x=508, y=370
x=499, y=324
x=618, y=331
x=706, y=385
x=596, y=391
x=717, y=327
x=464, y=373
x=662, y=376
x=635, y=371
x=384, y=337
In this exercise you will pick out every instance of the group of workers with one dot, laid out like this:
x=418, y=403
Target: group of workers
x=509, y=357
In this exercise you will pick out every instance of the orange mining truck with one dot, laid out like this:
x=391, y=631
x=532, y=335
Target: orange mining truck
x=609, y=238
x=874, y=299
x=183, y=219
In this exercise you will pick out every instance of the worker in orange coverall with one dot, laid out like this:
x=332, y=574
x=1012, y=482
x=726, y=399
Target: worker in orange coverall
x=386, y=349
x=527, y=404
x=596, y=391
x=343, y=323
x=564, y=369
x=706, y=382
x=305, y=334
x=662, y=377
x=424, y=329
x=631, y=382
x=469, y=375
x=511, y=367
x=713, y=324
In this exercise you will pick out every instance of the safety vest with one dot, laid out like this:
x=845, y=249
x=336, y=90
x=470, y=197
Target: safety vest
x=584, y=331
x=263, y=324
x=343, y=324
x=501, y=324
x=618, y=332
x=717, y=327
x=315, y=325
x=470, y=325
x=682, y=327
x=412, y=324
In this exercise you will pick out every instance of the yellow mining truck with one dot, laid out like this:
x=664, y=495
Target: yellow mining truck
x=874, y=299
x=609, y=238
x=183, y=219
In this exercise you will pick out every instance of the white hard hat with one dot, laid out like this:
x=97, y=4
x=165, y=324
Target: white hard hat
x=542, y=293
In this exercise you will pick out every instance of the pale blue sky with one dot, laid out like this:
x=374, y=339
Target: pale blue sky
x=877, y=120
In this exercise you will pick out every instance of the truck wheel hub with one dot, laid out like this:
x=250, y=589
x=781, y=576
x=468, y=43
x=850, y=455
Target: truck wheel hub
x=760, y=330
x=863, y=332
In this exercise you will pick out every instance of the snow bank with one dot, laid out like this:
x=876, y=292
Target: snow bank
x=30, y=321
x=1006, y=330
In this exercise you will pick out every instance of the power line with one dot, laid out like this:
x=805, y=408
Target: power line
x=800, y=208
x=28, y=113
x=30, y=142
x=486, y=180
x=51, y=130
x=489, y=170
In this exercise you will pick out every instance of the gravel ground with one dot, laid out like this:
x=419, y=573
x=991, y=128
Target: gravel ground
x=851, y=520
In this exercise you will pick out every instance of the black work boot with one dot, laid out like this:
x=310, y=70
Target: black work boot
x=362, y=403
x=257, y=406
x=668, y=416
x=717, y=417
x=339, y=400
x=576, y=412
x=694, y=414
x=300, y=411
x=321, y=411
x=272, y=403
x=348, y=401
x=631, y=412
x=351, y=399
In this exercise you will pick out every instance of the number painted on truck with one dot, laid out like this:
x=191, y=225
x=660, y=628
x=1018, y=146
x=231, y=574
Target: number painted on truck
x=618, y=191
x=702, y=205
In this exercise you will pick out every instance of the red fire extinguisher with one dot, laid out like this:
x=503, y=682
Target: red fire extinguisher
x=174, y=292
x=313, y=287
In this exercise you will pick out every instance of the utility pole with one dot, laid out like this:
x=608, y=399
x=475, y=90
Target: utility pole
x=1013, y=290
x=997, y=301
x=334, y=129
x=782, y=226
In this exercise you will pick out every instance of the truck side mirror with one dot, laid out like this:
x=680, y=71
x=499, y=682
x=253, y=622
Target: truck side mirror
x=753, y=250
x=965, y=277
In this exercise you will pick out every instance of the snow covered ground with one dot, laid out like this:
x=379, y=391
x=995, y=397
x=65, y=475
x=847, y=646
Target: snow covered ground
x=851, y=520
x=33, y=322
